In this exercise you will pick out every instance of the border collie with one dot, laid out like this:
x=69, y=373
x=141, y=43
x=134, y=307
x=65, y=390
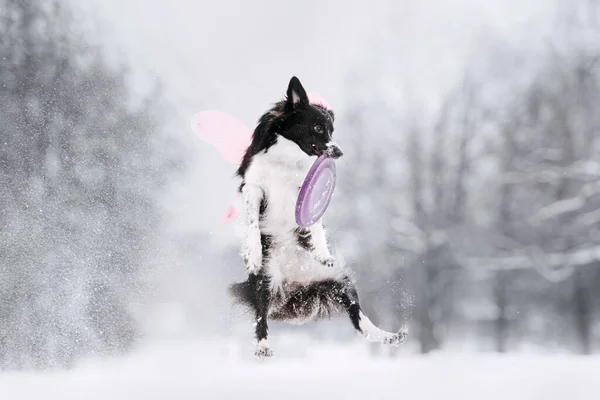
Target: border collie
x=292, y=275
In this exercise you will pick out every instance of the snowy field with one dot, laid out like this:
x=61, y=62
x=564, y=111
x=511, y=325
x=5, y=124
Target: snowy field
x=212, y=370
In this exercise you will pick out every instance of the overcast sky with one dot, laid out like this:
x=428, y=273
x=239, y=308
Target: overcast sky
x=237, y=57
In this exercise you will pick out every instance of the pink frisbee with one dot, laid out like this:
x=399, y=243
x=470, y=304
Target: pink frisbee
x=316, y=191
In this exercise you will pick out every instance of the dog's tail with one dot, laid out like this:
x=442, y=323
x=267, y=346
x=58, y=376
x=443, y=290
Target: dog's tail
x=242, y=293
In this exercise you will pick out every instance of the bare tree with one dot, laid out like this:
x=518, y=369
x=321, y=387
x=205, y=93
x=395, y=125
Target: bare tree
x=81, y=172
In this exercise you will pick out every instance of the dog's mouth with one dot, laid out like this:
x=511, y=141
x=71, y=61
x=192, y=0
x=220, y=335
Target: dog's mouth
x=332, y=151
x=316, y=150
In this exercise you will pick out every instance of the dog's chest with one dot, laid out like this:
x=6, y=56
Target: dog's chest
x=281, y=190
x=281, y=183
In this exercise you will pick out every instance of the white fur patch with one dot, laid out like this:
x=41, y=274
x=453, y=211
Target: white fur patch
x=288, y=263
x=320, y=242
x=280, y=173
x=253, y=248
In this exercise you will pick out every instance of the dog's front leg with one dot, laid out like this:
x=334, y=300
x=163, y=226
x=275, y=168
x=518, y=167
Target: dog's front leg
x=253, y=196
x=320, y=249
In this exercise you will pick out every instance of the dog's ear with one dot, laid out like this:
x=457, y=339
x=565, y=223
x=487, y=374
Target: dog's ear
x=296, y=96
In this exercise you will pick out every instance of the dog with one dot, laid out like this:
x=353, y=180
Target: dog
x=292, y=275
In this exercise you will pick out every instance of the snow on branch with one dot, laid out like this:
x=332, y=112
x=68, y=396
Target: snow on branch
x=572, y=204
x=591, y=218
x=553, y=266
x=584, y=171
x=561, y=207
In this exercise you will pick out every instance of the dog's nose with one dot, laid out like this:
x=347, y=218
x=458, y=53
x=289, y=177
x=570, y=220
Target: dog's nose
x=337, y=152
x=334, y=151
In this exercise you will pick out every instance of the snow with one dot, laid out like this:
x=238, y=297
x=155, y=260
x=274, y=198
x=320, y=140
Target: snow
x=221, y=370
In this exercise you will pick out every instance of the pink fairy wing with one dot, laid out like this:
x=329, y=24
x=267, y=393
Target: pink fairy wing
x=231, y=138
x=231, y=213
x=228, y=134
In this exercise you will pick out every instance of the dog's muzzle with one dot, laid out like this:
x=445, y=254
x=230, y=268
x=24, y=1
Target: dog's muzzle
x=333, y=150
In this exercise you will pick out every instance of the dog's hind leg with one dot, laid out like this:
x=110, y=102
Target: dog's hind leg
x=254, y=293
x=349, y=298
x=374, y=334
x=260, y=284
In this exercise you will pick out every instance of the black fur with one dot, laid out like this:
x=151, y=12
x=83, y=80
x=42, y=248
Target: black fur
x=255, y=295
x=266, y=241
x=261, y=283
x=318, y=300
x=263, y=208
x=304, y=238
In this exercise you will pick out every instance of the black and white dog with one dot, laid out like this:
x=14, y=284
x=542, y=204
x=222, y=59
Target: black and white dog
x=292, y=275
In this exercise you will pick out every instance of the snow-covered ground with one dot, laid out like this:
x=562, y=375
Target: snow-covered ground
x=216, y=370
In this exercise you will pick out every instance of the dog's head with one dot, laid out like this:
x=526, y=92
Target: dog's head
x=308, y=125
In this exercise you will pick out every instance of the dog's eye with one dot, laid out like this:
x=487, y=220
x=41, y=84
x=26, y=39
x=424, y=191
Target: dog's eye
x=318, y=129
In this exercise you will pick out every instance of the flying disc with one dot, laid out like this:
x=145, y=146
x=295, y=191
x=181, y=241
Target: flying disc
x=316, y=191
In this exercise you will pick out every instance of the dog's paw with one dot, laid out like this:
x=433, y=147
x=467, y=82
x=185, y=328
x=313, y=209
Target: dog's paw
x=263, y=350
x=253, y=262
x=326, y=261
x=398, y=338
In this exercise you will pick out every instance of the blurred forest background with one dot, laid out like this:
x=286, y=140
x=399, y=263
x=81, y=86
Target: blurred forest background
x=474, y=216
